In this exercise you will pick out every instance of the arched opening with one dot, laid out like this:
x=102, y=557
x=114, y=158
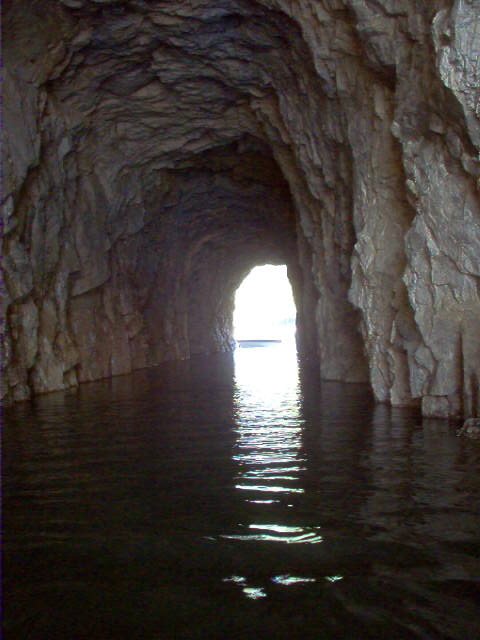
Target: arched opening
x=264, y=307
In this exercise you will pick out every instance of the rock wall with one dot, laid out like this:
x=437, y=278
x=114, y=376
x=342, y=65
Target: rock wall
x=156, y=151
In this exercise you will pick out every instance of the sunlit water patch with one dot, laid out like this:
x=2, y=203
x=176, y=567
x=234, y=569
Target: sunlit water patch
x=288, y=580
x=233, y=498
x=268, y=424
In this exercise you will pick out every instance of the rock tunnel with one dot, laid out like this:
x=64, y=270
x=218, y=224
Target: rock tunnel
x=156, y=151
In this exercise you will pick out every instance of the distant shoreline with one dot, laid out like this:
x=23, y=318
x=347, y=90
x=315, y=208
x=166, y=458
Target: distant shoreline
x=256, y=343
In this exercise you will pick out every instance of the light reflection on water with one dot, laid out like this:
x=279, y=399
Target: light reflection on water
x=289, y=580
x=194, y=501
x=268, y=427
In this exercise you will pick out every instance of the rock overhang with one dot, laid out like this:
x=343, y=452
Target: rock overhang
x=146, y=139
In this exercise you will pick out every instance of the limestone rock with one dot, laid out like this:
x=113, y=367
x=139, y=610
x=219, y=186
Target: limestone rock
x=470, y=429
x=155, y=152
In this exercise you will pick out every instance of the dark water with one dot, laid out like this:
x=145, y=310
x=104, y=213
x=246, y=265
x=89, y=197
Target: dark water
x=207, y=501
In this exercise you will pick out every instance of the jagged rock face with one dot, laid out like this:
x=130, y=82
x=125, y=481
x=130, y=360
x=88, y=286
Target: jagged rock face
x=156, y=151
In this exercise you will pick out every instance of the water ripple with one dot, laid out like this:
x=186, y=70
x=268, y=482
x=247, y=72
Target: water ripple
x=192, y=502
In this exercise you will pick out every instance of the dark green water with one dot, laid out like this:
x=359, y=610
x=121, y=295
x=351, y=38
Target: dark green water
x=215, y=499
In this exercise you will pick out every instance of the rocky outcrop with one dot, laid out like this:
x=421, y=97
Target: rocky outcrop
x=470, y=429
x=156, y=151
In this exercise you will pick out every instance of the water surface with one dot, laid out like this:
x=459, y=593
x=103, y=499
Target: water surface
x=236, y=498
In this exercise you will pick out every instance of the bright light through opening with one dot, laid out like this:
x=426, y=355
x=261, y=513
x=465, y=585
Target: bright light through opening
x=264, y=306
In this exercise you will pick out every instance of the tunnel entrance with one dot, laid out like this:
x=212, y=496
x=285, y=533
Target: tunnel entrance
x=264, y=306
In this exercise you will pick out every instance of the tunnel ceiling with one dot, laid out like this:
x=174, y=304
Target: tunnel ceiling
x=156, y=151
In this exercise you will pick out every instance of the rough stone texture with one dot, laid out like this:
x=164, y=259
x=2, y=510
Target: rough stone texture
x=156, y=151
x=470, y=429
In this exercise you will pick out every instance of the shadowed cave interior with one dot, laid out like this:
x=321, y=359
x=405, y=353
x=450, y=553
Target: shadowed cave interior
x=157, y=151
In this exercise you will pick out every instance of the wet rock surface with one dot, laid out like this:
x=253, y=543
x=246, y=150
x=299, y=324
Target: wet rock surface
x=470, y=429
x=155, y=152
